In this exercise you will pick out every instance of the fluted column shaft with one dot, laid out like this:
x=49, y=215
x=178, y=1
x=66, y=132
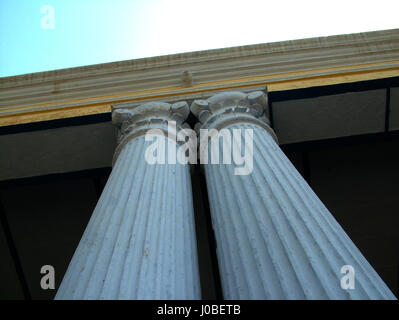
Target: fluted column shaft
x=275, y=238
x=140, y=241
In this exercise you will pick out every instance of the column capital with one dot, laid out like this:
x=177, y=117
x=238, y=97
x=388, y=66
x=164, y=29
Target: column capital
x=135, y=121
x=226, y=108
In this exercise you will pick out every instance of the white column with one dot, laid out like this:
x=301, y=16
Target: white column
x=275, y=238
x=140, y=241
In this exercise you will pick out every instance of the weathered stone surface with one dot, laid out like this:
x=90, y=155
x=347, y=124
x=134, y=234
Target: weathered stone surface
x=140, y=241
x=275, y=238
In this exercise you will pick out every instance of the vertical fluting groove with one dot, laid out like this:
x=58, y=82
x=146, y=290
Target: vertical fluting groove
x=161, y=236
x=240, y=272
x=167, y=226
x=144, y=287
x=174, y=231
x=294, y=230
x=276, y=236
x=104, y=254
x=112, y=282
x=88, y=240
x=152, y=255
x=180, y=245
x=312, y=228
x=235, y=181
x=279, y=224
x=179, y=252
x=220, y=236
x=229, y=238
x=291, y=214
x=370, y=275
x=232, y=216
x=172, y=254
x=136, y=250
x=78, y=252
x=224, y=244
x=186, y=246
x=178, y=235
x=139, y=242
x=102, y=219
x=271, y=233
x=107, y=249
x=193, y=272
x=321, y=234
x=137, y=239
x=160, y=253
x=272, y=273
x=252, y=259
x=133, y=219
x=348, y=244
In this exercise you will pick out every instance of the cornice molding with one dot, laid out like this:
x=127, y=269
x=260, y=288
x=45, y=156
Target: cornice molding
x=280, y=66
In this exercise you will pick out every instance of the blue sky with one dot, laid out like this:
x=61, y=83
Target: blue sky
x=89, y=32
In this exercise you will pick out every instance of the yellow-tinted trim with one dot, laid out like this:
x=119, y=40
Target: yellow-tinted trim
x=329, y=76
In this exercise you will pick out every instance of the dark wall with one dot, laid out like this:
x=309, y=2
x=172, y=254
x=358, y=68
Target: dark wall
x=46, y=220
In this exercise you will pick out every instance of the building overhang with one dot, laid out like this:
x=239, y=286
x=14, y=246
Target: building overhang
x=280, y=66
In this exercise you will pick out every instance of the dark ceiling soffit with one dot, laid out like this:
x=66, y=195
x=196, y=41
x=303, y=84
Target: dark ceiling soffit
x=314, y=92
x=341, y=141
x=57, y=123
x=49, y=178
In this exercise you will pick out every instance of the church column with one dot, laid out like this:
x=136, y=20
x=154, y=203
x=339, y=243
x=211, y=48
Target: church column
x=275, y=238
x=140, y=241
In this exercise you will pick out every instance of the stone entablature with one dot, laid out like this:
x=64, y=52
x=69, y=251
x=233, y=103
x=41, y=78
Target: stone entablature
x=281, y=66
